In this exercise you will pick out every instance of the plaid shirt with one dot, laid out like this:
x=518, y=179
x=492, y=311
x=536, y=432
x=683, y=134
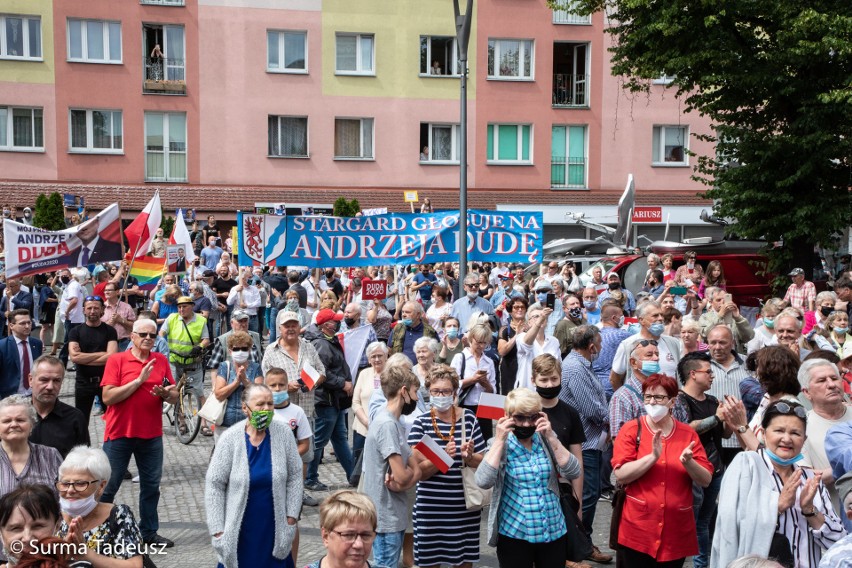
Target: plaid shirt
x=529, y=510
x=801, y=297
x=582, y=390
x=275, y=356
x=625, y=405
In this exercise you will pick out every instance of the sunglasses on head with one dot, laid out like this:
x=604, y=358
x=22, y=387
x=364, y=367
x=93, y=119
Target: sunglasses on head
x=95, y=298
x=647, y=342
x=790, y=409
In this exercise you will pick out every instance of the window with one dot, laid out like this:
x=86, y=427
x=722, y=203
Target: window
x=288, y=136
x=438, y=56
x=439, y=143
x=355, y=54
x=96, y=131
x=509, y=144
x=21, y=128
x=165, y=66
x=510, y=59
x=670, y=146
x=94, y=41
x=165, y=146
x=286, y=52
x=20, y=37
x=570, y=74
x=568, y=157
x=664, y=79
x=567, y=14
x=165, y=2
x=353, y=138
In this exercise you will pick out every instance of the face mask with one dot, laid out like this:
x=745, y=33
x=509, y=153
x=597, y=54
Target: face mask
x=620, y=321
x=439, y=273
x=633, y=328
x=65, y=279
x=782, y=461
x=548, y=392
x=769, y=323
x=575, y=313
x=614, y=285
x=524, y=432
x=841, y=330
x=650, y=368
x=542, y=298
x=826, y=310
x=594, y=356
x=329, y=275
x=452, y=332
x=690, y=265
x=279, y=398
x=260, y=419
x=349, y=321
x=6, y=212
x=657, y=411
x=657, y=329
x=78, y=507
x=472, y=295
x=292, y=306
x=442, y=403
x=240, y=356
x=494, y=334
x=590, y=306
x=408, y=407
x=407, y=322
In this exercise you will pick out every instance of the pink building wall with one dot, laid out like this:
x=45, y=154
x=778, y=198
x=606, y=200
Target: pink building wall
x=31, y=165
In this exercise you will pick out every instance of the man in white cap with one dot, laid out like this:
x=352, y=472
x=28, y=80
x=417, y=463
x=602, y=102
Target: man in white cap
x=801, y=293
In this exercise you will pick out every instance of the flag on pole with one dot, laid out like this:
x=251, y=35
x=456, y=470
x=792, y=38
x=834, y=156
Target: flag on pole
x=309, y=376
x=434, y=453
x=354, y=343
x=491, y=406
x=180, y=236
x=148, y=270
x=141, y=232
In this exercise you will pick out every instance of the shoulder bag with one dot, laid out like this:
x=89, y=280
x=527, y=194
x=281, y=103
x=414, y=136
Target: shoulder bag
x=475, y=497
x=214, y=409
x=619, y=496
x=578, y=543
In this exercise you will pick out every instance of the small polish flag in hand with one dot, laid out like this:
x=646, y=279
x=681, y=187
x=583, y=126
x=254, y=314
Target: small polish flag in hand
x=491, y=406
x=309, y=376
x=434, y=453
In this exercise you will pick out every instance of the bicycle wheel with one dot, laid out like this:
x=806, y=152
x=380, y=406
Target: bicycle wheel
x=187, y=420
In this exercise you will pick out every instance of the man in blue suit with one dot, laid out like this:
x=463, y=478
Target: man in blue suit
x=17, y=353
x=13, y=298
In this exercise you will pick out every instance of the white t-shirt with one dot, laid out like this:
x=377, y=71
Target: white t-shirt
x=814, y=448
x=526, y=354
x=295, y=417
x=621, y=362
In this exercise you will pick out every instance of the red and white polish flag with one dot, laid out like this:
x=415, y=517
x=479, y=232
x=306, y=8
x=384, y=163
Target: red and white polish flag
x=491, y=406
x=309, y=376
x=434, y=453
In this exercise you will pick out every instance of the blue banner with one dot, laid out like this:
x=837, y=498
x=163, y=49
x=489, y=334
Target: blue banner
x=317, y=242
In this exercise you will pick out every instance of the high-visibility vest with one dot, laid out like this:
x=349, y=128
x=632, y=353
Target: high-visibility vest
x=181, y=342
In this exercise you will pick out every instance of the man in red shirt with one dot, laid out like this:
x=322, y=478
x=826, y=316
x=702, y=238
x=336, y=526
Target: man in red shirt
x=135, y=383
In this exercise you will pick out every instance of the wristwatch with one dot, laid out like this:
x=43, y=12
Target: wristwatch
x=742, y=429
x=811, y=514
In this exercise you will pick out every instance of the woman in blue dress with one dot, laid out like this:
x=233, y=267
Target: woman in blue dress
x=255, y=475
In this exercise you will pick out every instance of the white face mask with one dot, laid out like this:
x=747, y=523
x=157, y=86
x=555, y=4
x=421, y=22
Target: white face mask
x=442, y=403
x=239, y=356
x=78, y=507
x=657, y=411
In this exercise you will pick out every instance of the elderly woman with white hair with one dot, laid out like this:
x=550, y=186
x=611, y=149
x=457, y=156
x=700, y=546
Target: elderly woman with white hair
x=690, y=336
x=822, y=309
x=369, y=380
x=110, y=532
x=426, y=350
x=21, y=461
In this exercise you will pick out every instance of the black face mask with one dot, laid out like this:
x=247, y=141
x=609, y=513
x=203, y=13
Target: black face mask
x=614, y=285
x=826, y=310
x=349, y=321
x=524, y=432
x=548, y=392
x=408, y=407
x=329, y=275
x=65, y=279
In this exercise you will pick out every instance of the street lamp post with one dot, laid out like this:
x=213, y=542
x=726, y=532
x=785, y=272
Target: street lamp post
x=462, y=39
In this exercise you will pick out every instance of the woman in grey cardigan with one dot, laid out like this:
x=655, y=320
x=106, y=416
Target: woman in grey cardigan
x=525, y=521
x=256, y=474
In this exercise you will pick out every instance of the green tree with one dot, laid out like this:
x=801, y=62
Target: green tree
x=775, y=79
x=49, y=213
x=346, y=208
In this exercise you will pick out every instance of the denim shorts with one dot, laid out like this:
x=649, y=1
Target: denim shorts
x=387, y=548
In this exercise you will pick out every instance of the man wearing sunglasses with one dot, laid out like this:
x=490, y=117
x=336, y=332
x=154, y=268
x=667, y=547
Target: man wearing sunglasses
x=651, y=324
x=627, y=403
x=90, y=345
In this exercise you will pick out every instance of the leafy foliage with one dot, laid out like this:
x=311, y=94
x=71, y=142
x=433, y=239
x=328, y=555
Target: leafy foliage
x=49, y=213
x=346, y=208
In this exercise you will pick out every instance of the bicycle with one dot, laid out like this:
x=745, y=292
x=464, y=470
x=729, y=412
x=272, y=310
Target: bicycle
x=183, y=415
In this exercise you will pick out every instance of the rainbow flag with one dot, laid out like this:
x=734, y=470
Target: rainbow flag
x=148, y=270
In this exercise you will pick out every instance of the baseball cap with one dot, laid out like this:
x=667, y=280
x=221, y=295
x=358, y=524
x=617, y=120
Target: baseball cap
x=239, y=315
x=796, y=272
x=185, y=300
x=209, y=274
x=327, y=315
x=543, y=286
x=284, y=317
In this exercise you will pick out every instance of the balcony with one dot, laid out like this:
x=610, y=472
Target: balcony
x=164, y=76
x=567, y=172
x=164, y=2
x=567, y=16
x=570, y=91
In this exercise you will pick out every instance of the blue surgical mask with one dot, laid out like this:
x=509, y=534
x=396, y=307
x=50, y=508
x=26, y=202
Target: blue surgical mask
x=621, y=321
x=280, y=397
x=542, y=297
x=650, y=368
x=590, y=306
x=657, y=329
x=633, y=328
x=407, y=322
x=841, y=330
x=782, y=461
x=452, y=332
x=769, y=323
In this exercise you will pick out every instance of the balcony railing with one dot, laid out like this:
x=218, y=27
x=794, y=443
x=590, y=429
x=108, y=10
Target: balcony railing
x=567, y=172
x=164, y=2
x=570, y=90
x=164, y=76
x=567, y=16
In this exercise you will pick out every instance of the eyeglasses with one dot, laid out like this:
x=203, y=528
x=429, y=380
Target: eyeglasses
x=78, y=486
x=240, y=348
x=145, y=335
x=797, y=409
x=655, y=397
x=708, y=371
x=553, y=267
x=471, y=285
x=95, y=298
x=647, y=342
x=518, y=307
x=441, y=392
x=525, y=418
x=350, y=537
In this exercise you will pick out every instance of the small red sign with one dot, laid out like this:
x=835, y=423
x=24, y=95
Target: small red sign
x=374, y=289
x=647, y=214
x=351, y=272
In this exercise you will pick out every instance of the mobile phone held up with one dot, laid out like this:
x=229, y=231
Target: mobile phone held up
x=550, y=302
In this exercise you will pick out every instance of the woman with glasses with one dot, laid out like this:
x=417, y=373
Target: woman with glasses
x=770, y=506
x=22, y=462
x=369, y=380
x=254, y=487
x=109, y=531
x=477, y=373
x=167, y=304
x=658, y=459
x=439, y=507
x=690, y=274
x=507, y=346
x=523, y=465
x=233, y=376
x=348, y=523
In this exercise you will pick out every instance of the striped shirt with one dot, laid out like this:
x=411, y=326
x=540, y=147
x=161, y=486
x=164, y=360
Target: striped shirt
x=727, y=381
x=626, y=404
x=582, y=390
x=41, y=467
x=275, y=356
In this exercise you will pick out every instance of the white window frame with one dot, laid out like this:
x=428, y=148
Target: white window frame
x=10, y=131
x=307, y=138
x=362, y=157
x=496, y=139
x=164, y=2
x=455, y=70
x=281, y=53
x=89, y=148
x=84, y=34
x=358, y=55
x=497, y=76
x=565, y=15
x=167, y=152
x=25, y=38
x=658, y=156
x=455, y=138
x=663, y=79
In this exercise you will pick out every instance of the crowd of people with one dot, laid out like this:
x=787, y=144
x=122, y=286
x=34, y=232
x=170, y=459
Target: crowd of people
x=715, y=436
